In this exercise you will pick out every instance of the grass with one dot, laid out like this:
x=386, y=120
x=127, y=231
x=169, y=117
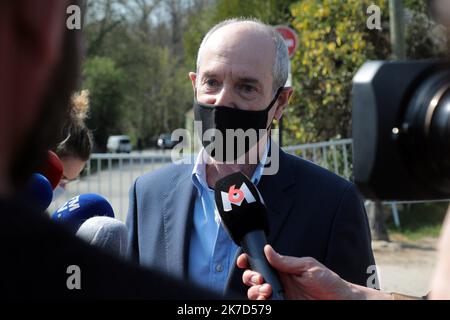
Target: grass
x=418, y=221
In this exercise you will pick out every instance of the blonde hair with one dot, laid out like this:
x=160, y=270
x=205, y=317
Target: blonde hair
x=79, y=106
x=77, y=138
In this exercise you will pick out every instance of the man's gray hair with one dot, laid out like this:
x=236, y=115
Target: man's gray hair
x=280, y=68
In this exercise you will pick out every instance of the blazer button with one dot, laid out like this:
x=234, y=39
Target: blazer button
x=219, y=267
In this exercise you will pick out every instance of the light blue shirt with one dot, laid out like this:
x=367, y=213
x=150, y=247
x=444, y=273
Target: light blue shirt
x=211, y=252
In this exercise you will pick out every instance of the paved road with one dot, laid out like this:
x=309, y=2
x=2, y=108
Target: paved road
x=406, y=267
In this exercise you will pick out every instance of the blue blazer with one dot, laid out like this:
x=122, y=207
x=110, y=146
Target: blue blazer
x=311, y=211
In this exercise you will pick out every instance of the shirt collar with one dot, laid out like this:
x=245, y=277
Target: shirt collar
x=199, y=170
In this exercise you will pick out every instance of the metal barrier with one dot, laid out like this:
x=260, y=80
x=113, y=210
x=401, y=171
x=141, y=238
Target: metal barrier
x=334, y=155
x=112, y=175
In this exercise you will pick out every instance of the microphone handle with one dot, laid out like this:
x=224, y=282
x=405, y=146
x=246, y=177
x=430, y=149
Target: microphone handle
x=253, y=245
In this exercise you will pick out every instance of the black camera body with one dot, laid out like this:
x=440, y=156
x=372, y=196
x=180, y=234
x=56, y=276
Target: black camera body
x=401, y=130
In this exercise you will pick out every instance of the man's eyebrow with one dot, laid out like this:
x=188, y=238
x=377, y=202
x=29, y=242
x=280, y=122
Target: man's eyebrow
x=208, y=74
x=249, y=80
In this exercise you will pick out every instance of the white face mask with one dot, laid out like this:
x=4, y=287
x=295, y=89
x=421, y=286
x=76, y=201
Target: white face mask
x=58, y=192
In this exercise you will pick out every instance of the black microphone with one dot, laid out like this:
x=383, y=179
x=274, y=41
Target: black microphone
x=244, y=217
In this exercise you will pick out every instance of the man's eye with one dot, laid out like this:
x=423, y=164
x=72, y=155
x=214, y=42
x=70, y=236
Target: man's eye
x=212, y=83
x=247, y=88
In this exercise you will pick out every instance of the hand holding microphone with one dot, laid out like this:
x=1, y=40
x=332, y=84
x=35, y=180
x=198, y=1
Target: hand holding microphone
x=244, y=217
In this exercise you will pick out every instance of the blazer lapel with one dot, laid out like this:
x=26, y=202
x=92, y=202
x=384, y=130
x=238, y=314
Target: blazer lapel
x=274, y=191
x=178, y=211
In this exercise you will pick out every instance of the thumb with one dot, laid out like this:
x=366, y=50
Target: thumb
x=287, y=264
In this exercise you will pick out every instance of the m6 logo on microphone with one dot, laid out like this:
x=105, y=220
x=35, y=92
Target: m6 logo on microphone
x=236, y=196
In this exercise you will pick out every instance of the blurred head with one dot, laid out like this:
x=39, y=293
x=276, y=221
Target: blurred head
x=39, y=59
x=76, y=147
x=75, y=137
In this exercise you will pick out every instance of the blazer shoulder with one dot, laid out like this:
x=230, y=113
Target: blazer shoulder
x=165, y=177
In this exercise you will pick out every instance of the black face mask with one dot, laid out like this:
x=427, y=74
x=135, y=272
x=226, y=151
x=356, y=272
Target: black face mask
x=222, y=118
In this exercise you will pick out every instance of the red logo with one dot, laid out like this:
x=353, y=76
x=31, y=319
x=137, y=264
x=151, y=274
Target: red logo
x=235, y=195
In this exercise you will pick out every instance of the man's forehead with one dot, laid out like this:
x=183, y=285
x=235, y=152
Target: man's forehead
x=241, y=39
x=243, y=53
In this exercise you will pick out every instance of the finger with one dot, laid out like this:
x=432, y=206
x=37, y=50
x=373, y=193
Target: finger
x=242, y=261
x=288, y=264
x=252, y=278
x=260, y=292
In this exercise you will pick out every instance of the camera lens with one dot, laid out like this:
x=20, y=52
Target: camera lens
x=426, y=135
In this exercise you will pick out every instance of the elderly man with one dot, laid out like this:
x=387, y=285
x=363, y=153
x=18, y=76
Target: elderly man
x=242, y=67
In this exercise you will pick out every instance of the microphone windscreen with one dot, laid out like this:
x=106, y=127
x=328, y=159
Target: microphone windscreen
x=240, y=207
x=106, y=233
x=77, y=210
x=38, y=192
x=53, y=169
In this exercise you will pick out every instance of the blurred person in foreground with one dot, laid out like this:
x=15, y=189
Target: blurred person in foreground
x=39, y=63
x=306, y=278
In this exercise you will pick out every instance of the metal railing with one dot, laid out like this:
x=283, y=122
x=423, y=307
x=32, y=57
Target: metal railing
x=334, y=155
x=111, y=175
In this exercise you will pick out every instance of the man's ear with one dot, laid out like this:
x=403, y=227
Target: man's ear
x=193, y=77
x=283, y=101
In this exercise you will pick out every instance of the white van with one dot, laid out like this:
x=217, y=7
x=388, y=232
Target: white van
x=118, y=144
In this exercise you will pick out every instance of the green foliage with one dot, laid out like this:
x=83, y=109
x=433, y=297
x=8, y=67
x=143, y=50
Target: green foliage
x=416, y=5
x=333, y=43
x=423, y=37
x=155, y=88
x=158, y=93
x=104, y=80
x=269, y=11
